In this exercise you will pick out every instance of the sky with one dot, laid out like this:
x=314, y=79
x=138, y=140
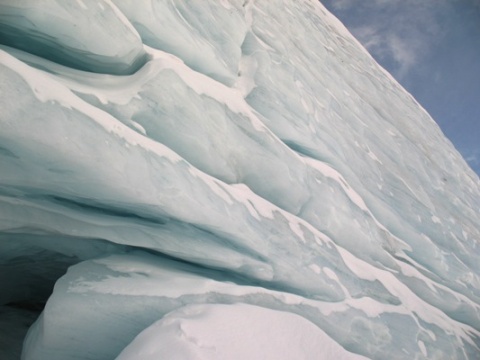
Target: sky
x=432, y=48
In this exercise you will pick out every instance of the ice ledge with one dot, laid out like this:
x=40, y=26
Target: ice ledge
x=107, y=43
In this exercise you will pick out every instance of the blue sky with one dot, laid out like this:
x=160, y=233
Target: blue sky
x=432, y=47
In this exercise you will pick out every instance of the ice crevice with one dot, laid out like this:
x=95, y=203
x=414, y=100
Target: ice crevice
x=178, y=162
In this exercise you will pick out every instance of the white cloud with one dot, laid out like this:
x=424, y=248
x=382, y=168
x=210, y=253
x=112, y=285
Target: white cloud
x=342, y=4
x=399, y=32
x=388, y=45
x=472, y=156
x=402, y=52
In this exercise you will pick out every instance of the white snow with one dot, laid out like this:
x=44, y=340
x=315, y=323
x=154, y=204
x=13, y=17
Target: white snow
x=236, y=331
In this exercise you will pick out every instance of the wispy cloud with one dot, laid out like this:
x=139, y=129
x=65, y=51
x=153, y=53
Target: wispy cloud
x=342, y=4
x=472, y=156
x=403, y=53
x=388, y=45
x=400, y=32
x=432, y=47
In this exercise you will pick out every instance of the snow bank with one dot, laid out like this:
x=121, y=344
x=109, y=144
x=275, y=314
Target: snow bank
x=236, y=331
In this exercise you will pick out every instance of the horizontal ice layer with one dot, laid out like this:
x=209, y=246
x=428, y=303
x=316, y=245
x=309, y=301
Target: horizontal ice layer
x=223, y=143
x=85, y=34
x=404, y=213
x=117, y=297
x=145, y=183
x=206, y=35
x=350, y=114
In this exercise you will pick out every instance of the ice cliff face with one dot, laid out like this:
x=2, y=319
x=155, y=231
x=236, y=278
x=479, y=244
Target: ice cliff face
x=189, y=162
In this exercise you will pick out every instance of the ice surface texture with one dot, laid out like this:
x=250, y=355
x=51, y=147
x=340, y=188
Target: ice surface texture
x=184, y=156
x=85, y=34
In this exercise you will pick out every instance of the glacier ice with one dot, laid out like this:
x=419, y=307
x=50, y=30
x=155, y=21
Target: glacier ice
x=118, y=296
x=73, y=33
x=179, y=157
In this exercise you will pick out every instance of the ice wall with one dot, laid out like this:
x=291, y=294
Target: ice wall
x=184, y=154
x=73, y=33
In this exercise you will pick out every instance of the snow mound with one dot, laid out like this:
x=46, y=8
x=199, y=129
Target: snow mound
x=235, y=332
